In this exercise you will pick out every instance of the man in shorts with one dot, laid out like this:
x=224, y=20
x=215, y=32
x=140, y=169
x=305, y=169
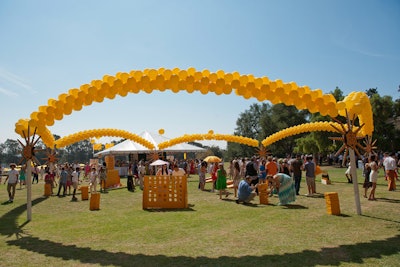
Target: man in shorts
x=12, y=178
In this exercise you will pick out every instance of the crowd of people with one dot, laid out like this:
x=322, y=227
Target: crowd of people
x=283, y=176
x=66, y=176
x=389, y=162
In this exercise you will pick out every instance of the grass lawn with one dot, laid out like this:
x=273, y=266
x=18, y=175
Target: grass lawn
x=211, y=232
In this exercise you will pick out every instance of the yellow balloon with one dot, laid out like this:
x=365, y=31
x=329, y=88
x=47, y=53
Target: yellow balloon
x=204, y=89
x=205, y=73
x=191, y=71
x=182, y=74
x=197, y=76
x=212, y=87
x=74, y=92
x=243, y=80
x=227, y=89
x=213, y=77
x=235, y=83
x=228, y=77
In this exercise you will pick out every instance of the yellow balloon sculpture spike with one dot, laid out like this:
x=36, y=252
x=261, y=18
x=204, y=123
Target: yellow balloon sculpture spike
x=349, y=137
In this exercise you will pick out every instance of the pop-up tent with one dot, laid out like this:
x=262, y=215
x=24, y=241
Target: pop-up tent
x=130, y=147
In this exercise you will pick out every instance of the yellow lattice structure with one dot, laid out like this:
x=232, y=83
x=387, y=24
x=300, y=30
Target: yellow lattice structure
x=165, y=192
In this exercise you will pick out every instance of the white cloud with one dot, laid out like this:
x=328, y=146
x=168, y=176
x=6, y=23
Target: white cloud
x=15, y=79
x=7, y=92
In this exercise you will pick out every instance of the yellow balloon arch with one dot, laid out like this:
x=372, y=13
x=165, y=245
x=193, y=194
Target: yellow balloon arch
x=262, y=88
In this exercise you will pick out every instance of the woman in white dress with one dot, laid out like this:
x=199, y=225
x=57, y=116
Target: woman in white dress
x=373, y=177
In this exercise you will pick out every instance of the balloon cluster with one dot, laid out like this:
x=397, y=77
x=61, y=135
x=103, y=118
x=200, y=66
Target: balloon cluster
x=109, y=145
x=73, y=138
x=358, y=104
x=192, y=80
x=97, y=146
x=322, y=126
x=209, y=136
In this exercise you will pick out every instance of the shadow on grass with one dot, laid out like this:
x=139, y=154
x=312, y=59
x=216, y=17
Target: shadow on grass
x=169, y=210
x=86, y=255
x=294, y=207
x=388, y=200
x=383, y=219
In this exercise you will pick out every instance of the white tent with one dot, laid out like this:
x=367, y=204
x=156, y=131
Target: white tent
x=131, y=147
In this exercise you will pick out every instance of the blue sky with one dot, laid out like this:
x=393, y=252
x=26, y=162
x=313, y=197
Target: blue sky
x=48, y=47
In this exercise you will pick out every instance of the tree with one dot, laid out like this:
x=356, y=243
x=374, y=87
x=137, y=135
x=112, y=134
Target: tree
x=383, y=109
x=248, y=125
x=262, y=120
x=81, y=151
x=371, y=91
x=283, y=117
x=11, y=151
x=319, y=142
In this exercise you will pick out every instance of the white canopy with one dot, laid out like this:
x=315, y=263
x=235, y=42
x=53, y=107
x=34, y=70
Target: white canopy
x=159, y=162
x=131, y=147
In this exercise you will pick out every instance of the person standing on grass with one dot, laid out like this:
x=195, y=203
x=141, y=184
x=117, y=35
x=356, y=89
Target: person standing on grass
x=75, y=182
x=103, y=179
x=366, y=172
x=310, y=167
x=230, y=171
x=69, y=178
x=220, y=184
x=129, y=181
x=390, y=168
x=246, y=191
x=141, y=173
x=348, y=174
x=296, y=167
x=271, y=166
x=62, y=183
x=93, y=176
x=242, y=164
x=35, y=174
x=12, y=178
x=214, y=170
x=49, y=179
x=236, y=176
x=42, y=172
x=202, y=175
x=22, y=176
x=373, y=178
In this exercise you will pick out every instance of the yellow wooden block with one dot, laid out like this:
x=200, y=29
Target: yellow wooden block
x=94, y=201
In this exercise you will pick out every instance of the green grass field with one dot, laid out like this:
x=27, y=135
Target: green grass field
x=211, y=232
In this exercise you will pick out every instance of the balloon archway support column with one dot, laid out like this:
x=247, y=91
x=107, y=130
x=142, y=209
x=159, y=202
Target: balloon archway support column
x=28, y=181
x=353, y=171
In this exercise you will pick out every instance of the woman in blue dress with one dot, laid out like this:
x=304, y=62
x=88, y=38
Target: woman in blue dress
x=284, y=185
x=262, y=173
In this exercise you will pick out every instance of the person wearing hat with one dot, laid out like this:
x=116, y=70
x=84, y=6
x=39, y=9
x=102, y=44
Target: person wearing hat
x=246, y=191
x=12, y=178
